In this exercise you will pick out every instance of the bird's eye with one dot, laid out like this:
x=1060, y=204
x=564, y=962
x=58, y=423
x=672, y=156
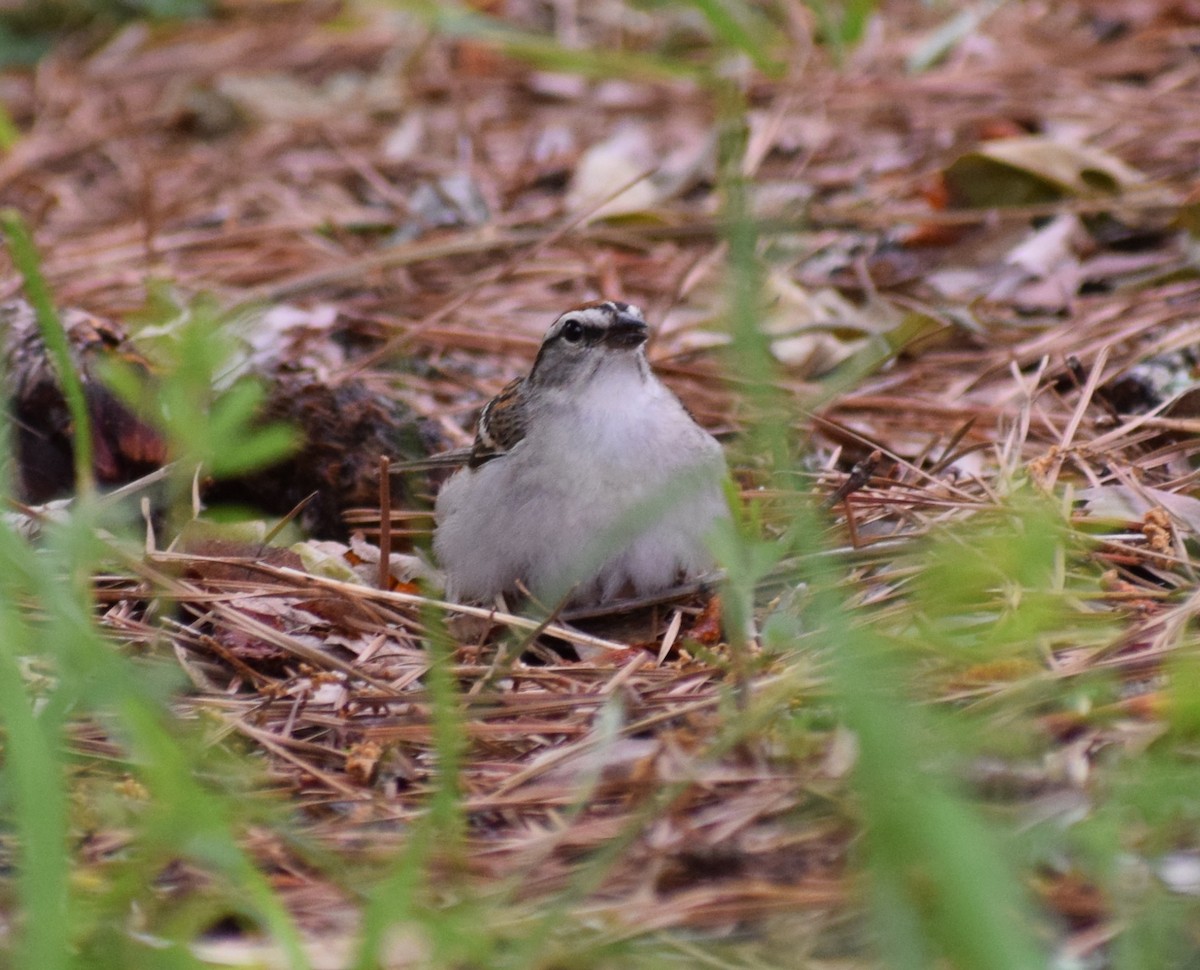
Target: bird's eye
x=572, y=331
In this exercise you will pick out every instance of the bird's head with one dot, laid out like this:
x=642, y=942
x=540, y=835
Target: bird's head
x=588, y=339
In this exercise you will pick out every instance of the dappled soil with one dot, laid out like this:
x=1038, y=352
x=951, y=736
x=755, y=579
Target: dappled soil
x=976, y=260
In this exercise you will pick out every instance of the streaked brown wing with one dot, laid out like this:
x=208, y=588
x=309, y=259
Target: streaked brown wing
x=501, y=424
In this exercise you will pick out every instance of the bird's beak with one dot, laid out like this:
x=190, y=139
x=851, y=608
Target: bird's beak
x=626, y=332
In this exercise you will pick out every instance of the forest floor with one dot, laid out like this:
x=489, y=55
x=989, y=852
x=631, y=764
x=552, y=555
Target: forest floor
x=976, y=255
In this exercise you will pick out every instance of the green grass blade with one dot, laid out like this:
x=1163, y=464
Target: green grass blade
x=25, y=258
x=9, y=133
x=547, y=53
x=728, y=21
x=34, y=774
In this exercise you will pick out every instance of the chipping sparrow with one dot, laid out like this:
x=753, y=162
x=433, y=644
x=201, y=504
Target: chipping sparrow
x=587, y=478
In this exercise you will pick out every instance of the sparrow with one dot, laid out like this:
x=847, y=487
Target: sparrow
x=588, y=480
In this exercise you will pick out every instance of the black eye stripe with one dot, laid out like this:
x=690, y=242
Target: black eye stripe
x=588, y=332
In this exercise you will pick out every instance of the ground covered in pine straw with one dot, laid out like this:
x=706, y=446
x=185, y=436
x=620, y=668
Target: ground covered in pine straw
x=962, y=415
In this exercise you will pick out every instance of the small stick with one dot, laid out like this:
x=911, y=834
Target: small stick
x=279, y=526
x=385, y=524
x=1079, y=376
x=858, y=478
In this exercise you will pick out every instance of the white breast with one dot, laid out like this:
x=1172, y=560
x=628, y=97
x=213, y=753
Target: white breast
x=611, y=491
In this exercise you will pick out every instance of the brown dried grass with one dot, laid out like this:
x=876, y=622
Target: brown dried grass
x=140, y=160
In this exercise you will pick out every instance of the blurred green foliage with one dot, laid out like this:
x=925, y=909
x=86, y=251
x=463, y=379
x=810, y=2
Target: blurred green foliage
x=29, y=29
x=56, y=667
x=199, y=398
